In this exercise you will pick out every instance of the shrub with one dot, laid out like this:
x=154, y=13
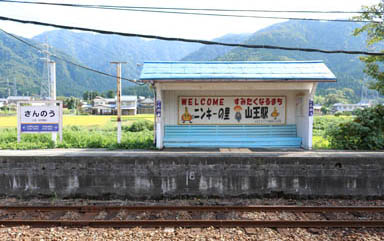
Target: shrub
x=319, y=142
x=365, y=132
x=138, y=126
x=322, y=123
x=8, y=140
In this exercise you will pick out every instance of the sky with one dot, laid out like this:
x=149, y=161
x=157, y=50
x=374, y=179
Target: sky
x=169, y=25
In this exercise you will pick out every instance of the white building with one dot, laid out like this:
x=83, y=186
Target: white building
x=3, y=102
x=145, y=106
x=128, y=104
x=339, y=107
x=15, y=99
x=235, y=104
x=107, y=106
x=317, y=109
x=12, y=100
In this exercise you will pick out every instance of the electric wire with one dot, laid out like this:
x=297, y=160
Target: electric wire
x=194, y=9
x=68, y=61
x=183, y=11
x=206, y=42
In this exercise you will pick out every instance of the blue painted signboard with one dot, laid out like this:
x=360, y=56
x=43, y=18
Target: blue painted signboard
x=39, y=127
x=310, y=111
x=158, y=108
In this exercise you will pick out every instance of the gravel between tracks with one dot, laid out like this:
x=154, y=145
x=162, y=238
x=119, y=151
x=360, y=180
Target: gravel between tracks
x=87, y=233
x=59, y=233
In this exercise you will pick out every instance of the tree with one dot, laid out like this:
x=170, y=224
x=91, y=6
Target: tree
x=110, y=94
x=90, y=95
x=365, y=132
x=138, y=90
x=335, y=96
x=375, y=34
x=324, y=110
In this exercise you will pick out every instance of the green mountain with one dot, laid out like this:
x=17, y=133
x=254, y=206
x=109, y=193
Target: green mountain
x=23, y=64
x=309, y=34
x=210, y=52
x=97, y=50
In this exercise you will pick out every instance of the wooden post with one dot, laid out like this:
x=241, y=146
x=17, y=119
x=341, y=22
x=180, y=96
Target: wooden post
x=118, y=99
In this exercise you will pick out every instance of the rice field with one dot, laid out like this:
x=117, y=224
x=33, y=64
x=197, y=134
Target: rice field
x=82, y=120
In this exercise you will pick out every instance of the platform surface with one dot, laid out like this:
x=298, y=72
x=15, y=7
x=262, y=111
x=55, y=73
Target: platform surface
x=194, y=152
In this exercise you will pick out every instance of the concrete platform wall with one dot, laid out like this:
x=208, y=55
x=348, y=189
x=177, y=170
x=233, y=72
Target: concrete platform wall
x=160, y=176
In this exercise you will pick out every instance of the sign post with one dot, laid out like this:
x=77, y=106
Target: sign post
x=40, y=117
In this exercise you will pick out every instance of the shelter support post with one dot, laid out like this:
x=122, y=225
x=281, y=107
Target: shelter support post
x=307, y=142
x=18, y=123
x=159, y=118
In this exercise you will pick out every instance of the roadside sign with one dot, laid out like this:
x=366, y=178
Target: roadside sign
x=40, y=117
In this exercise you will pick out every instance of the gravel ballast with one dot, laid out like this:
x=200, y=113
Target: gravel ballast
x=88, y=233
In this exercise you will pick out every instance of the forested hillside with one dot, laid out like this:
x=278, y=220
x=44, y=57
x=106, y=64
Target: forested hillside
x=23, y=64
x=321, y=35
x=210, y=52
x=97, y=50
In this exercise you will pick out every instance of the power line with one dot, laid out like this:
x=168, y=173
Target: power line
x=67, y=61
x=206, y=42
x=193, y=9
x=183, y=11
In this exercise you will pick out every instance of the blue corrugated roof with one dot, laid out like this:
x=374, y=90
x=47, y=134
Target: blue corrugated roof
x=247, y=70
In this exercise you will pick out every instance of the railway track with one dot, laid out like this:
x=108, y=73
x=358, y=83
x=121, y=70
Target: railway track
x=193, y=216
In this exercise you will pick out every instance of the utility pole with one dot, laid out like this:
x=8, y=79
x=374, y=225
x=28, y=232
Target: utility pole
x=15, y=89
x=9, y=88
x=118, y=97
x=49, y=81
x=52, y=82
x=45, y=87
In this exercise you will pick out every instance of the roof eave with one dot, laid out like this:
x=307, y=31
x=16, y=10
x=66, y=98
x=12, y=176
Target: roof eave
x=241, y=80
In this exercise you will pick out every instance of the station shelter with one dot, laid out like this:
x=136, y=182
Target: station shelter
x=215, y=104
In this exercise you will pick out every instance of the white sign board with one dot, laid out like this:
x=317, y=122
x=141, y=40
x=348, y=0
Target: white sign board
x=249, y=110
x=40, y=117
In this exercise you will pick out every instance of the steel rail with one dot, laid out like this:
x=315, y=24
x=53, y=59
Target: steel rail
x=197, y=223
x=258, y=208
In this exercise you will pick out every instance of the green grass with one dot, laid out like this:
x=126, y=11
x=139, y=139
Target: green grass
x=138, y=135
x=79, y=137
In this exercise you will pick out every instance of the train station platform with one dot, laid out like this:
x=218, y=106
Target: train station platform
x=176, y=173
